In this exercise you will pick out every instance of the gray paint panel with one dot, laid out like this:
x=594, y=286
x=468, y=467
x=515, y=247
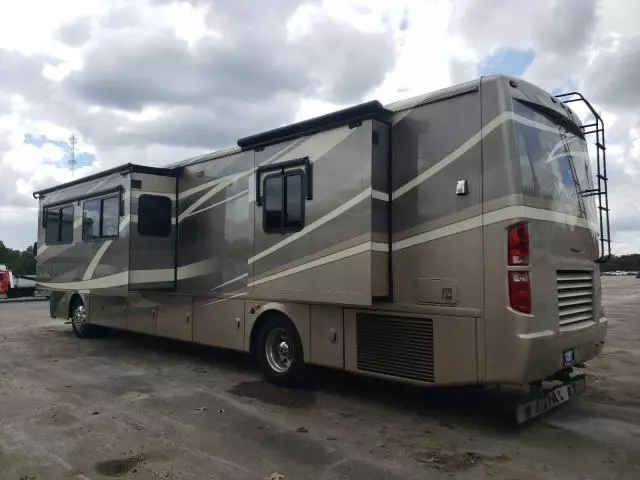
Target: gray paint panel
x=69, y=263
x=351, y=224
x=316, y=255
x=339, y=175
x=430, y=132
x=436, y=197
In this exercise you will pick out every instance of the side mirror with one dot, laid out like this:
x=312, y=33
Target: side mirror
x=35, y=250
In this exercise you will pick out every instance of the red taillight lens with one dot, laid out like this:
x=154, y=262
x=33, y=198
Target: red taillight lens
x=518, y=245
x=520, y=291
x=4, y=283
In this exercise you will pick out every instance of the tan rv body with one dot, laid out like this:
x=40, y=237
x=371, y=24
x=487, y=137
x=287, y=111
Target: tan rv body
x=400, y=268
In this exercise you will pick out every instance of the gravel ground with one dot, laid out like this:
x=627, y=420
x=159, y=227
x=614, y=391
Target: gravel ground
x=142, y=408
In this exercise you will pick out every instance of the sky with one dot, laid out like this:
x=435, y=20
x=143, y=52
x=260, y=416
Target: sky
x=157, y=81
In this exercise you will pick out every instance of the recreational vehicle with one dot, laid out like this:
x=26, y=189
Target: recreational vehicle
x=452, y=238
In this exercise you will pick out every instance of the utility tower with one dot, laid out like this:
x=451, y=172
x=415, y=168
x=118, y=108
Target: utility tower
x=72, y=154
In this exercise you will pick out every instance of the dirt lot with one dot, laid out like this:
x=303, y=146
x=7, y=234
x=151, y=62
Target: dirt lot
x=140, y=408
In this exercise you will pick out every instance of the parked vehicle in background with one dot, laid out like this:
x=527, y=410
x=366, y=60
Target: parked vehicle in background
x=14, y=286
x=452, y=238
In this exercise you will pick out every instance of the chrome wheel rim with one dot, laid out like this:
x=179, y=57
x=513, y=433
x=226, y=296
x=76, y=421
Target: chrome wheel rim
x=279, y=349
x=79, y=316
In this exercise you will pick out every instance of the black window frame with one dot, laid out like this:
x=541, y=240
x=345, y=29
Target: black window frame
x=282, y=227
x=101, y=236
x=141, y=216
x=298, y=166
x=58, y=207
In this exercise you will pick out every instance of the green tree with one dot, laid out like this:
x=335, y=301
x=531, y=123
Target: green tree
x=20, y=263
x=623, y=262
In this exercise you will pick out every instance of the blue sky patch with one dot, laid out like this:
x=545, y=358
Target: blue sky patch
x=506, y=61
x=82, y=159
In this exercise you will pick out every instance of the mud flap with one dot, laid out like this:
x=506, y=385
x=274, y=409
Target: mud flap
x=546, y=399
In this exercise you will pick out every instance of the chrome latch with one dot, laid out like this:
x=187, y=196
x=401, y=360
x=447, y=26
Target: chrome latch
x=462, y=188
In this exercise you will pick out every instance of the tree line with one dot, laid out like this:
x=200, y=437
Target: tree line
x=623, y=262
x=19, y=262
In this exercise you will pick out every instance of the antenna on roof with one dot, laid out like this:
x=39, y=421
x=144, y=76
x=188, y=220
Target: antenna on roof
x=72, y=157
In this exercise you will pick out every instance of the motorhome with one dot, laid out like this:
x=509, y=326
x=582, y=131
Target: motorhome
x=451, y=238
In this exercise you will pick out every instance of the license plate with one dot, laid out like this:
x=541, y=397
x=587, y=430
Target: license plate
x=568, y=357
x=551, y=398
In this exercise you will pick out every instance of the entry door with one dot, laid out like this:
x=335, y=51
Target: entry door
x=153, y=232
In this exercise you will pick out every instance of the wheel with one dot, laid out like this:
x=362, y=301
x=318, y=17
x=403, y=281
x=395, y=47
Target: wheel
x=279, y=352
x=79, y=321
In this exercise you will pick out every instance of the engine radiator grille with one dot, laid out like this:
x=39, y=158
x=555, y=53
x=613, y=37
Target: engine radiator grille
x=575, y=296
x=396, y=346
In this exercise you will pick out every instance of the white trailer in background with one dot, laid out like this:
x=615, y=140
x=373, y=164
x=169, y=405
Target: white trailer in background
x=14, y=286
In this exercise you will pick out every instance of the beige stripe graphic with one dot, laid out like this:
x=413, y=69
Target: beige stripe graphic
x=507, y=213
x=378, y=195
x=233, y=280
x=457, y=153
x=101, y=251
x=466, y=146
x=313, y=226
x=315, y=146
x=224, y=299
x=363, y=247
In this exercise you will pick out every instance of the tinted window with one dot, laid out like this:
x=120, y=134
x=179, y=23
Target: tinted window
x=273, y=203
x=154, y=216
x=52, y=232
x=66, y=224
x=283, y=202
x=59, y=225
x=294, y=201
x=100, y=218
x=91, y=219
x=110, y=216
x=553, y=161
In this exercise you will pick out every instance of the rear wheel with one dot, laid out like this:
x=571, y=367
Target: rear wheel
x=279, y=352
x=80, y=320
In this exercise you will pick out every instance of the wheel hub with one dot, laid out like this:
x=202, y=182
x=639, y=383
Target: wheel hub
x=79, y=316
x=278, y=350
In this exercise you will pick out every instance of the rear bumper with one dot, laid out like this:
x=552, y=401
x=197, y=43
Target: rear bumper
x=539, y=355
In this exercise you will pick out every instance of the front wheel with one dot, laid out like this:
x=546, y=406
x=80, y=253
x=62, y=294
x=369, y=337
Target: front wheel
x=279, y=352
x=80, y=321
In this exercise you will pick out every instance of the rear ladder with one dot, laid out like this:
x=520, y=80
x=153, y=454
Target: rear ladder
x=597, y=128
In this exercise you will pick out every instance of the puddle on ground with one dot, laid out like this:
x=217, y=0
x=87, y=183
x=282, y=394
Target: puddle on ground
x=273, y=395
x=117, y=467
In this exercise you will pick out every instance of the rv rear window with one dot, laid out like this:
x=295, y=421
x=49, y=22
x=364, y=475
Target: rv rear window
x=283, y=202
x=154, y=216
x=100, y=218
x=59, y=225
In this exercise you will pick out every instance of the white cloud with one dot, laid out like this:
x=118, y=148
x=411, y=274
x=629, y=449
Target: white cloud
x=212, y=71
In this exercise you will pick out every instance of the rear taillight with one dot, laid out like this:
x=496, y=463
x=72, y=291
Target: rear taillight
x=520, y=291
x=518, y=245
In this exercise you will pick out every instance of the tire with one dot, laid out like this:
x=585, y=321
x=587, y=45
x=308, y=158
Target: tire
x=279, y=352
x=79, y=320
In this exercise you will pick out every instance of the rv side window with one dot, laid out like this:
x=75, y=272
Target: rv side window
x=283, y=202
x=154, y=216
x=100, y=218
x=66, y=224
x=59, y=225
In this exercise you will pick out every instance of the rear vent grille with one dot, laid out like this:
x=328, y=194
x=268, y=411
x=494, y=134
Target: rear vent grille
x=395, y=346
x=575, y=296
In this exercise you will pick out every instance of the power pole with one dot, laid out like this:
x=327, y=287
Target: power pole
x=72, y=158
